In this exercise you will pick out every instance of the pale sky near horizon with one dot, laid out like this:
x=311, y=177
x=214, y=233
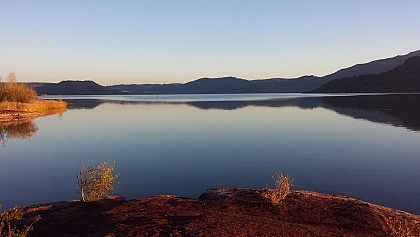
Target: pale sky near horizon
x=114, y=42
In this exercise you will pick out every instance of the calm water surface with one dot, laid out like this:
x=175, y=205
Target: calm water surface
x=365, y=147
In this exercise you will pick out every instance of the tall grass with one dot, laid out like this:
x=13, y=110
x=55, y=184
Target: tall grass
x=36, y=105
x=22, y=98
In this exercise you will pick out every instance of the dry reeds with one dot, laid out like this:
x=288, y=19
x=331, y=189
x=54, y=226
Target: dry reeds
x=22, y=98
x=13, y=92
x=36, y=105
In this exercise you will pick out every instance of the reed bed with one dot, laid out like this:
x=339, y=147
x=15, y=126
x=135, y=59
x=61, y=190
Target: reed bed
x=36, y=105
x=18, y=97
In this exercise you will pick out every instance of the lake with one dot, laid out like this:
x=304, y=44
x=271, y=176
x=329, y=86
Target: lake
x=363, y=146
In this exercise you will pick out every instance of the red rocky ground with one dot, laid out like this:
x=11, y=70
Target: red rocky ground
x=224, y=212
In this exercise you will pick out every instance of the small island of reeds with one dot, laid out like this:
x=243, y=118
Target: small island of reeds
x=18, y=101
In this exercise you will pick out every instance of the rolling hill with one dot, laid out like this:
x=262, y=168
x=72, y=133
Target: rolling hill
x=230, y=84
x=272, y=85
x=403, y=78
x=75, y=88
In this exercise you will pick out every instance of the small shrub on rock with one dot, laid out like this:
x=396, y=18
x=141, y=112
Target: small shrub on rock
x=283, y=184
x=97, y=182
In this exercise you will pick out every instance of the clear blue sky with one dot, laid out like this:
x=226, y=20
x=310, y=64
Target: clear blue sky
x=155, y=41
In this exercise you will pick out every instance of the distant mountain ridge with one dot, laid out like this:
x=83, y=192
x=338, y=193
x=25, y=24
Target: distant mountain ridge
x=75, y=88
x=228, y=84
x=272, y=85
x=403, y=78
x=374, y=67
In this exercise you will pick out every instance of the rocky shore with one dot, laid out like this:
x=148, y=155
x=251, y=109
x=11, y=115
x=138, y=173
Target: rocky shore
x=223, y=212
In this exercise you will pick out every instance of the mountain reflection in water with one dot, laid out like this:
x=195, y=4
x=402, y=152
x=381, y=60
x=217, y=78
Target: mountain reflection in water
x=185, y=144
x=401, y=110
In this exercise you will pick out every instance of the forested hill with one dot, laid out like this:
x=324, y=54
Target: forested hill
x=75, y=88
x=403, y=78
x=229, y=85
x=272, y=85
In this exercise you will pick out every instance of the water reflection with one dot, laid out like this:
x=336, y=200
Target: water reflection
x=17, y=129
x=184, y=147
x=22, y=128
x=396, y=110
x=84, y=104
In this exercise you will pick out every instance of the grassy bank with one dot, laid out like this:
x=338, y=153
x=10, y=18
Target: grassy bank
x=15, y=97
x=34, y=106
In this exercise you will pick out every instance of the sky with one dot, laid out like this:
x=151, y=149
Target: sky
x=158, y=41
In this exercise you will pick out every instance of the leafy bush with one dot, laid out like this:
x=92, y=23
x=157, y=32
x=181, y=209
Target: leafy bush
x=283, y=184
x=9, y=219
x=96, y=182
x=11, y=91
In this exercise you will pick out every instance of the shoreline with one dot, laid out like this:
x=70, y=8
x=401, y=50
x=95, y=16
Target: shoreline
x=15, y=116
x=17, y=111
x=223, y=212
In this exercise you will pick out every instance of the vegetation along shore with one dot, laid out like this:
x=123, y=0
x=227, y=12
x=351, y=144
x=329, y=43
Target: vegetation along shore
x=19, y=101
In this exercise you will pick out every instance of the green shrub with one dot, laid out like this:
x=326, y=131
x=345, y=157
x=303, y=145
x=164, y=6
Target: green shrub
x=283, y=184
x=9, y=219
x=97, y=182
